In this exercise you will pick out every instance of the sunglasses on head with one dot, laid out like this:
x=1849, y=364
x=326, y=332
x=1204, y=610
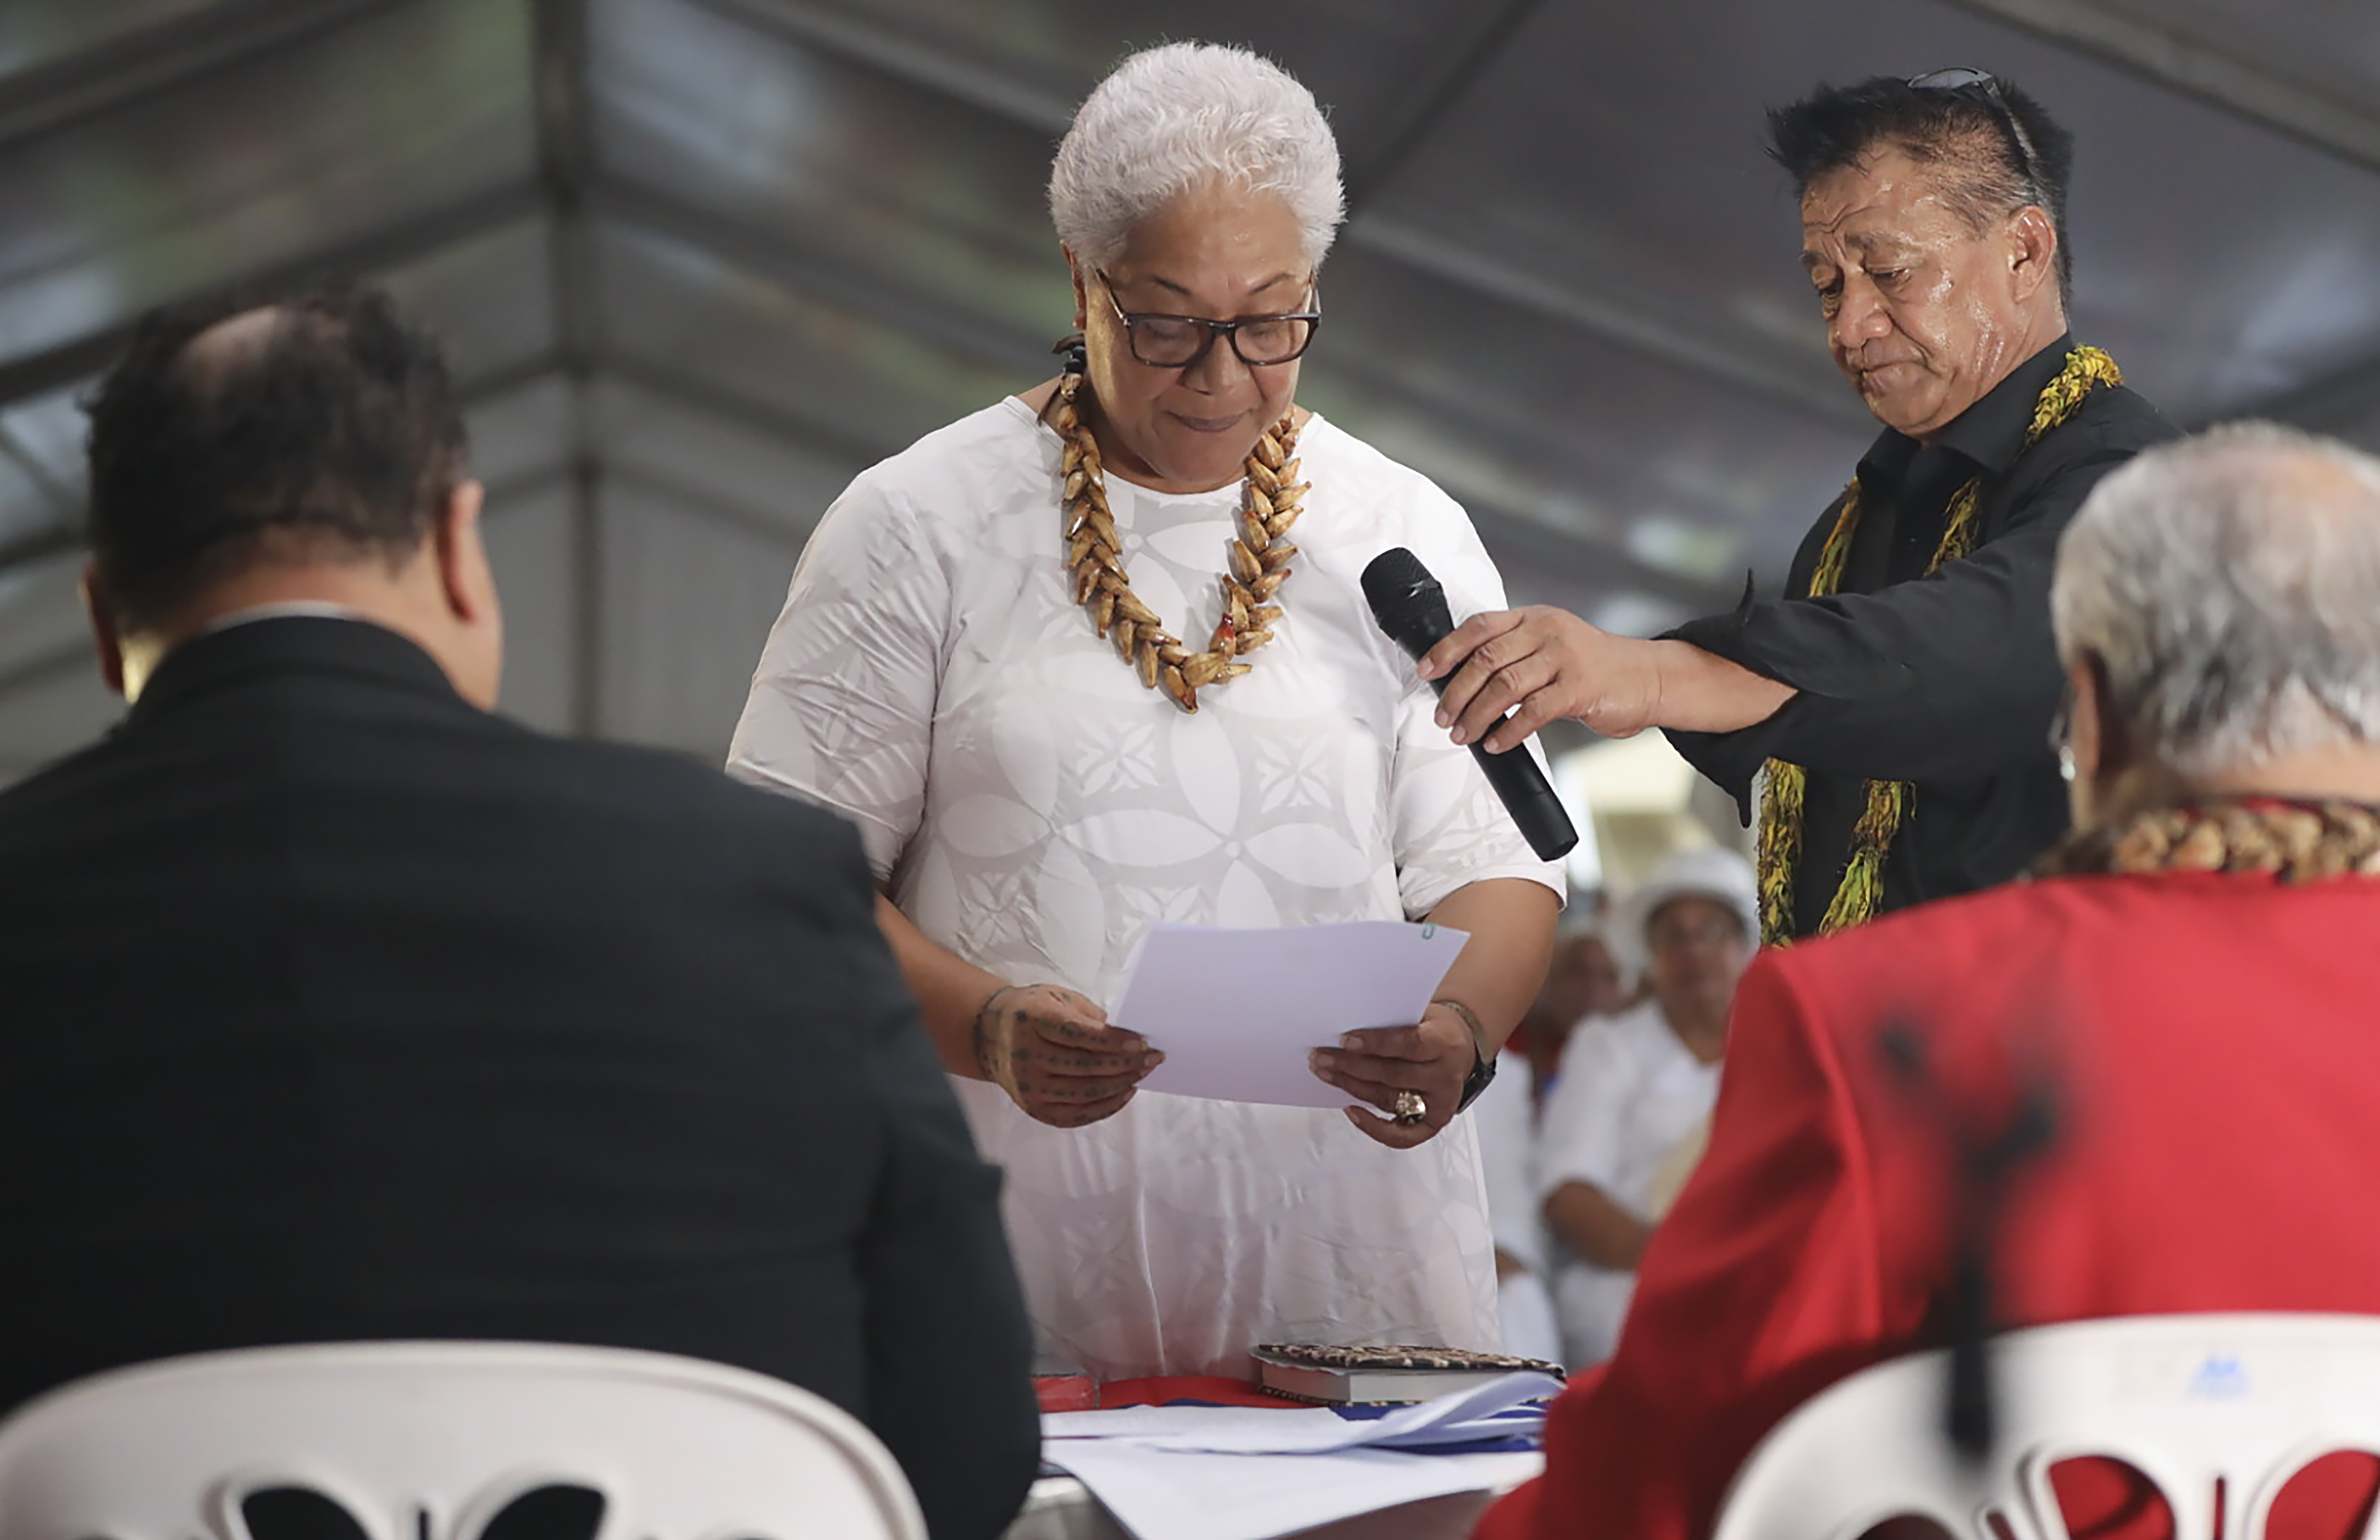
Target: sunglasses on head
x=1964, y=81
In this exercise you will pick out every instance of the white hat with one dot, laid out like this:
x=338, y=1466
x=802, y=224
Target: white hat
x=1709, y=872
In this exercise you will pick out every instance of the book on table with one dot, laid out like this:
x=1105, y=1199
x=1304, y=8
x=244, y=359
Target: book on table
x=1359, y=1377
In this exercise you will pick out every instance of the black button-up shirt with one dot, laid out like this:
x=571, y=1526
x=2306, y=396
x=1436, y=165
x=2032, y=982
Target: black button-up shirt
x=1949, y=681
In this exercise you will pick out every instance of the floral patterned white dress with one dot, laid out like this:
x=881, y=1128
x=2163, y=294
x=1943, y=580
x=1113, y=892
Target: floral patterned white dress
x=1035, y=809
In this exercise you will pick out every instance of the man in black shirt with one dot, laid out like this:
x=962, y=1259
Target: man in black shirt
x=1901, y=696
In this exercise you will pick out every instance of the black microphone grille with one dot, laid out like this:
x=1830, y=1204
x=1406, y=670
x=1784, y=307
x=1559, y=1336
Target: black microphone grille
x=1394, y=578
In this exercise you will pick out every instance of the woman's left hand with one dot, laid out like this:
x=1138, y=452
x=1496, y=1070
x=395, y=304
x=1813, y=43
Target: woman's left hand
x=1432, y=1059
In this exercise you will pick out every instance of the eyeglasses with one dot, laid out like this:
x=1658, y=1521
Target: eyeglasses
x=1715, y=930
x=1179, y=341
x=1962, y=80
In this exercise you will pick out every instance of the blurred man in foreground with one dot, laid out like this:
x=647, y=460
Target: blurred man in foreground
x=338, y=1007
x=2182, y=1001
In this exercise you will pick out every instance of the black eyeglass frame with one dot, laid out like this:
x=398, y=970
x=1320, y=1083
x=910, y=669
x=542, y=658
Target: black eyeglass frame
x=1960, y=79
x=1231, y=329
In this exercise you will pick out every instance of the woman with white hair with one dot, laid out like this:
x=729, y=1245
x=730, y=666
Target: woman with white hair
x=2145, y=1082
x=1095, y=658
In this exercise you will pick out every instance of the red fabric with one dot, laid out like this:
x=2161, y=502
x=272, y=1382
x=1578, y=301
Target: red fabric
x=2215, y=1044
x=1066, y=1392
x=1160, y=1388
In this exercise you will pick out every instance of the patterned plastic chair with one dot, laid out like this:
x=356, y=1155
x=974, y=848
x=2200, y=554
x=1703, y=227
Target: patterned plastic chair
x=2217, y=1410
x=443, y=1441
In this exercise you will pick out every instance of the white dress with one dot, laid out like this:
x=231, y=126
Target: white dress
x=1629, y=1094
x=1035, y=809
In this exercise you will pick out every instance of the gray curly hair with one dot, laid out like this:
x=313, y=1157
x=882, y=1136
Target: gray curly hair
x=1178, y=117
x=2227, y=582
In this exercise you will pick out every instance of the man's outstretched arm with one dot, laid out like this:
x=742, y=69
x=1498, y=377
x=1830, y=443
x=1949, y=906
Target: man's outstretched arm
x=1550, y=663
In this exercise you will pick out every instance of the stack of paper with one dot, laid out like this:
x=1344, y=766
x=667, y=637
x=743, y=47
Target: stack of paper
x=1504, y=1407
x=1253, y=1473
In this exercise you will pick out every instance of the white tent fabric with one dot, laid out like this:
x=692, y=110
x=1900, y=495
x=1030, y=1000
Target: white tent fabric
x=701, y=259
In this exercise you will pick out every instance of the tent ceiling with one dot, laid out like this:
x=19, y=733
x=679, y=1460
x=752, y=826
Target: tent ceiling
x=698, y=260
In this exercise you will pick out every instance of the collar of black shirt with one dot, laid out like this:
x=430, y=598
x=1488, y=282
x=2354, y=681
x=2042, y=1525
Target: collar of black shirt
x=1988, y=435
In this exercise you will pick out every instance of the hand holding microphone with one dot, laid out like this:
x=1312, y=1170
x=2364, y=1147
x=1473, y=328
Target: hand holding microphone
x=1410, y=607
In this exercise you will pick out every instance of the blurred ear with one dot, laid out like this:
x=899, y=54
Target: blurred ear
x=473, y=654
x=1075, y=272
x=2032, y=252
x=466, y=578
x=2103, y=742
x=106, y=638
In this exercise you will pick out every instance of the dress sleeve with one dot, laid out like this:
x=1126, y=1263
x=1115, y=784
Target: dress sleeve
x=841, y=705
x=1953, y=676
x=1448, y=826
x=1762, y=1286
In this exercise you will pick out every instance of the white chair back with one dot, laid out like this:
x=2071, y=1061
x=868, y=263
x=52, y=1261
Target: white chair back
x=433, y=1440
x=2234, y=1403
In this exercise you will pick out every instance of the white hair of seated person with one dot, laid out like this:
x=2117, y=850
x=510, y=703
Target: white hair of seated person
x=1183, y=115
x=2230, y=586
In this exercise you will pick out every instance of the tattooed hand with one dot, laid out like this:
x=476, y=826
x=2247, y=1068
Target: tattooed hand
x=1053, y=1051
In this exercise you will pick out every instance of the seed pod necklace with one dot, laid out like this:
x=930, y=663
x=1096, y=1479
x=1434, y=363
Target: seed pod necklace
x=1260, y=552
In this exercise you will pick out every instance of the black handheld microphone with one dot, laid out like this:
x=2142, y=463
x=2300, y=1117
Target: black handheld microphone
x=1410, y=607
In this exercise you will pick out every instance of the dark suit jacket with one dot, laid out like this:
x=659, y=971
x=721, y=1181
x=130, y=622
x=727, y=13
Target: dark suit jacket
x=337, y=1009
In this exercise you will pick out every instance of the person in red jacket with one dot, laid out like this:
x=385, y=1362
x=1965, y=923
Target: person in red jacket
x=2175, y=1016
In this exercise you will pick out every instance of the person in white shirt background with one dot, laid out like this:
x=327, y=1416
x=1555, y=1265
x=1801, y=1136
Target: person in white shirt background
x=1584, y=981
x=1632, y=1102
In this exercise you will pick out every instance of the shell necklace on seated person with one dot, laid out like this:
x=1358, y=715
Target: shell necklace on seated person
x=1270, y=500
x=2295, y=838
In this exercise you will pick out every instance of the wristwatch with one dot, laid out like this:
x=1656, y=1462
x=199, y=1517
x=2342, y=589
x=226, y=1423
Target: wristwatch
x=1483, y=1063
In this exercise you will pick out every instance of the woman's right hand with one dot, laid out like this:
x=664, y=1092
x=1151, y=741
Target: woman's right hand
x=1054, y=1053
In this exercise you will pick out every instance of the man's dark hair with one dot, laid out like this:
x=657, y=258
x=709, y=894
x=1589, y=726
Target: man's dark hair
x=321, y=428
x=1997, y=148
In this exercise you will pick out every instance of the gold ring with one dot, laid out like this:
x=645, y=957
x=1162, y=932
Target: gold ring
x=1410, y=1108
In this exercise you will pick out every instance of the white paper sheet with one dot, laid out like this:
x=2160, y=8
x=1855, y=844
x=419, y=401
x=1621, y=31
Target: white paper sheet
x=1166, y=1421
x=1508, y=1407
x=1259, y=1496
x=1236, y=1012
